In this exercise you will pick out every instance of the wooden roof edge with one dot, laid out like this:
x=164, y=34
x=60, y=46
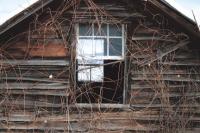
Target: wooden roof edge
x=23, y=15
x=177, y=11
x=177, y=16
x=169, y=10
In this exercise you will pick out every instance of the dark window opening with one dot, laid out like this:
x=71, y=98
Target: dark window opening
x=109, y=90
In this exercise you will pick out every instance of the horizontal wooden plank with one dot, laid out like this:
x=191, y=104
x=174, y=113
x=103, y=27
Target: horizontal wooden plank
x=165, y=72
x=153, y=86
x=20, y=79
x=190, y=130
x=33, y=86
x=176, y=55
x=71, y=117
x=167, y=78
x=81, y=14
x=185, y=55
x=97, y=106
x=62, y=74
x=189, y=106
x=136, y=94
x=105, y=6
x=183, y=63
x=108, y=120
x=82, y=126
x=110, y=115
x=55, y=92
x=30, y=104
x=30, y=68
x=35, y=62
x=152, y=38
x=171, y=63
x=46, y=37
x=39, y=47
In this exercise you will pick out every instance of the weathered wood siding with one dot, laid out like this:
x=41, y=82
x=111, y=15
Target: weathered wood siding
x=164, y=78
x=37, y=69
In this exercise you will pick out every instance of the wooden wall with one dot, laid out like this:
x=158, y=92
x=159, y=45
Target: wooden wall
x=164, y=79
x=37, y=88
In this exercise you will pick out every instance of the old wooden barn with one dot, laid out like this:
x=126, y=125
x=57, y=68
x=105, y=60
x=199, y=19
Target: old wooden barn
x=105, y=66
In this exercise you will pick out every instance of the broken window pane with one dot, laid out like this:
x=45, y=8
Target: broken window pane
x=90, y=73
x=84, y=73
x=90, y=70
x=97, y=74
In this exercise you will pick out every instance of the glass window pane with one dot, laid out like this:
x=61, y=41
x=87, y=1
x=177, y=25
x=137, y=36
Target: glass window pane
x=85, y=47
x=100, y=46
x=100, y=30
x=85, y=30
x=97, y=74
x=115, y=30
x=91, y=48
x=115, y=47
x=90, y=73
x=84, y=73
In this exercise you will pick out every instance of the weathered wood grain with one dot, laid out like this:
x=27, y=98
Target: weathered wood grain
x=35, y=62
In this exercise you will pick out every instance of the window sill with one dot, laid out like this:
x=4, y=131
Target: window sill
x=101, y=106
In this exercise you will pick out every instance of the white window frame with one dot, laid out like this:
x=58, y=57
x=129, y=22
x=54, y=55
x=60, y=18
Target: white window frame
x=105, y=57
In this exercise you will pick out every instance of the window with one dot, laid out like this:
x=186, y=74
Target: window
x=100, y=42
x=92, y=71
x=96, y=44
x=100, y=74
